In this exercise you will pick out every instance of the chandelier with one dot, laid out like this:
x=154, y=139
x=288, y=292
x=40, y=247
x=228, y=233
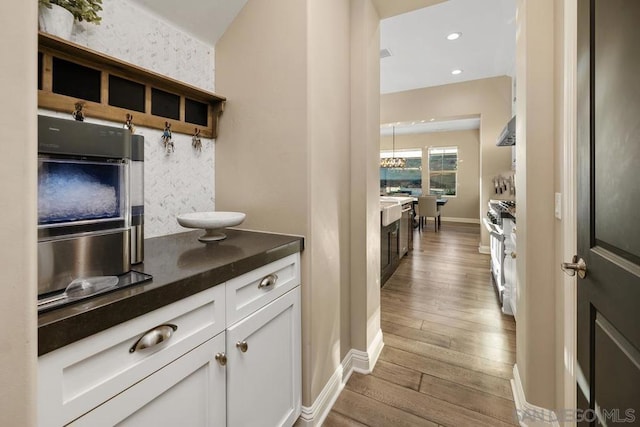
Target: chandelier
x=393, y=161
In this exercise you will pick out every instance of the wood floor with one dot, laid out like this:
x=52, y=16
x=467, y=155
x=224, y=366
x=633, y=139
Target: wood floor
x=449, y=351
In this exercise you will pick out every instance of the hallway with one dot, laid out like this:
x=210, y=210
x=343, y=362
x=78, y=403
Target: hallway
x=449, y=351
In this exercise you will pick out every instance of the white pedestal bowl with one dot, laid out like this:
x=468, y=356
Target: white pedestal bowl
x=211, y=222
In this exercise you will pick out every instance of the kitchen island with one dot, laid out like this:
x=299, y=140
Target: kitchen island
x=212, y=333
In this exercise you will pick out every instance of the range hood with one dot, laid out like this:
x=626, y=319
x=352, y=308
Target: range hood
x=508, y=135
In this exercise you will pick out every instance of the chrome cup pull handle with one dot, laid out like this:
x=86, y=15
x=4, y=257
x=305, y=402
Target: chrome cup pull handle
x=154, y=337
x=269, y=280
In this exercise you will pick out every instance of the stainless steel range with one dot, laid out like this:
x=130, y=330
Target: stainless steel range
x=498, y=222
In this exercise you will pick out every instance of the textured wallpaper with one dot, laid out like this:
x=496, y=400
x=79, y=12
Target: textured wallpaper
x=184, y=180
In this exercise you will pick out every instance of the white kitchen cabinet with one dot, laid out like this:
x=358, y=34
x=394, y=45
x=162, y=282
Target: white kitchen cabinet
x=189, y=391
x=178, y=380
x=79, y=377
x=263, y=371
x=510, y=275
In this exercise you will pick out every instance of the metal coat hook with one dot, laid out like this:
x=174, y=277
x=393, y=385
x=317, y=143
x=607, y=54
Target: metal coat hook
x=128, y=123
x=77, y=112
x=196, y=143
x=166, y=138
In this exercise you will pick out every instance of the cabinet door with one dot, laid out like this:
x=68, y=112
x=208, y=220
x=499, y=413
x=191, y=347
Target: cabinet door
x=189, y=391
x=264, y=377
x=79, y=377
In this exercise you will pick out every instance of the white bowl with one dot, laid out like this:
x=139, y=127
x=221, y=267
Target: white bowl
x=211, y=222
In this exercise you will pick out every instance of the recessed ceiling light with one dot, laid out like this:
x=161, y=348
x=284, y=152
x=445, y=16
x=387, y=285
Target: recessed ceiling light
x=456, y=71
x=454, y=36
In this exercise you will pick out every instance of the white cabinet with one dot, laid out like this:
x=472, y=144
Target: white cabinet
x=190, y=391
x=510, y=275
x=183, y=376
x=77, y=378
x=263, y=371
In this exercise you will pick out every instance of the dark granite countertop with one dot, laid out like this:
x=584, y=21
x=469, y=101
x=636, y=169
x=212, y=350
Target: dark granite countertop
x=180, y=265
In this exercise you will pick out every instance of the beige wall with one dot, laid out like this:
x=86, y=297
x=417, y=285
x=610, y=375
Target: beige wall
x=18, y=206
x=565, y=28
x=465, y=204
x=364, y=294
x=289, y=156
x=536, y=326
x=488, y=98
x=328, y=136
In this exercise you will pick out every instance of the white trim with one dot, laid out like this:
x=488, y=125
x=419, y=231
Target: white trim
x=373, y=352
x=464, y=220
x=530, y=415
x=318, y=411
x=569, y=202
x=355, y=361
x=484, y=249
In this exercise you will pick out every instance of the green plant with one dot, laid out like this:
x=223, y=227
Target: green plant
x=82, y=10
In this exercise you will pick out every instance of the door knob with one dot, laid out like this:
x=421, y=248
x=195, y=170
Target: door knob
x=243, y=346
x=576, y=265
x=221, y=358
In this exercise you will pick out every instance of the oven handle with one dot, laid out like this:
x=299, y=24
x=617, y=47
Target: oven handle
x=493, y=229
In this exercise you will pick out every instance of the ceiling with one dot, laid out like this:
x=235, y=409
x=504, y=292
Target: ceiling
x=423, y=57
x=387, y=8
x=206, y=20
x=432, y=125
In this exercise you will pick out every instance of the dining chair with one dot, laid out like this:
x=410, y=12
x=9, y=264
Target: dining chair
x=428, y=208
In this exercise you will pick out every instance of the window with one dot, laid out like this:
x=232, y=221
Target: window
x=443, y=170
x=402, y=180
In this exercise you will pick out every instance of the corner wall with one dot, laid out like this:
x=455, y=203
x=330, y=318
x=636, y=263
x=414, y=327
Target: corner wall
x=18, y=106
x=364, y=301
x=488, y=98
x=298, y=152
x=536, y=267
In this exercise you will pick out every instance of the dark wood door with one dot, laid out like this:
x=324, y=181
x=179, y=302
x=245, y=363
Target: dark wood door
x=609, y=211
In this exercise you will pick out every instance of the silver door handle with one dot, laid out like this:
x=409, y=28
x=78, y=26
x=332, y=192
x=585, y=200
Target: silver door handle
x=577, y=265
x=269, y=280
x=243, y=346
x=221, y=358
x=154, y=337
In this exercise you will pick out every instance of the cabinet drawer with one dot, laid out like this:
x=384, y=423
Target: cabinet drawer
x=245, y=293
x=76, y=378
x=190, y=391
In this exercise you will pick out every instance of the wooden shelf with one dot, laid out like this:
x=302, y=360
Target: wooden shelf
x=65, y=52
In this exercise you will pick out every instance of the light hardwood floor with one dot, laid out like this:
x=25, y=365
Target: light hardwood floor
x=449, y=351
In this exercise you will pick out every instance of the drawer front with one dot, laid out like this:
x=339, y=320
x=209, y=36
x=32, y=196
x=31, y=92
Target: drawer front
x=76, y=378
x=189, y=391
x=257, y=288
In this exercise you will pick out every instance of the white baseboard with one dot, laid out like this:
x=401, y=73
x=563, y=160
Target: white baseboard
x=530, y=415
x=355, y=361
x=484, y=249
x=315, y=414
x=464, y=220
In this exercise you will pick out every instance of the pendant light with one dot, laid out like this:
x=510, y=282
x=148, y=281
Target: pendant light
x=393, y=161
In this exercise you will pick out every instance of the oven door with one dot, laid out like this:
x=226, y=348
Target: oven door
x=496, y=240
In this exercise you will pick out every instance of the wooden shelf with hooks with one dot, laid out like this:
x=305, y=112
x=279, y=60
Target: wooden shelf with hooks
x=110, y=89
